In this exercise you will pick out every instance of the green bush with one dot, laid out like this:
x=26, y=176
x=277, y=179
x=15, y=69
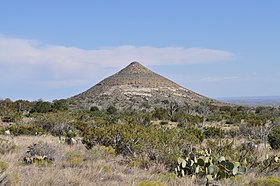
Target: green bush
x=55, y=123
x=178, y=116
x=94, y=109
x=213, y=132
x=24, y=130
x=112, y=110
x=274, y=138
x=257, y=120
x=195, y=131
x=42, y=107
x=12, y=117
x=160, y=114
x=190, y=120
x=61, y=104
x=159, y=145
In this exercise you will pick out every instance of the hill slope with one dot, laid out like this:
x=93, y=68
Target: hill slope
x=136, y=87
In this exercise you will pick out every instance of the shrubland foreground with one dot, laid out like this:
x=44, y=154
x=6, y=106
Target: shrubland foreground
x=44, y=143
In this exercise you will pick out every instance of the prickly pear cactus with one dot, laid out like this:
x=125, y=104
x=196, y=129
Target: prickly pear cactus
x=204, y=164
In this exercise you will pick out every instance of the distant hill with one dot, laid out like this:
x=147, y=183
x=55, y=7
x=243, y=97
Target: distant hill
x=136, y=87
x=253, y=101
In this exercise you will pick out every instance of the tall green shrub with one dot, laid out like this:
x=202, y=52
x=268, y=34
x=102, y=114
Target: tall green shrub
x=274, y=138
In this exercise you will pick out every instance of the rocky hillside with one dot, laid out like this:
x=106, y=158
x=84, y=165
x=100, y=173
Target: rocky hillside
x=136, y=87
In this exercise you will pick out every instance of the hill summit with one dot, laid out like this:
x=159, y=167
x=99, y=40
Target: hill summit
x=136, y=87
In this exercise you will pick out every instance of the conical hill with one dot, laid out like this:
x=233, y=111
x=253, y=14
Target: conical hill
x=137, y=75
x=136, y=87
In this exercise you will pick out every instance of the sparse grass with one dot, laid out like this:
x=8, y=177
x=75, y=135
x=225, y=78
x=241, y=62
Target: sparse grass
x=79, y=166
x=149, y=183
x=269, y=181
x=6, y=146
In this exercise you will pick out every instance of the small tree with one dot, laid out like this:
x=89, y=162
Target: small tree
x=60, y=104
x=274, y=137
x=42, y=107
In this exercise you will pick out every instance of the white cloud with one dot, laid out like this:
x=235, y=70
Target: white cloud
x=30, y=58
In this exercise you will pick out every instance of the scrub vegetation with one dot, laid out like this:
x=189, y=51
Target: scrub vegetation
x=46, y=143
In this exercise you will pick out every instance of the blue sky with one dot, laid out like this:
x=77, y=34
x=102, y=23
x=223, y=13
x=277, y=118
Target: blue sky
x=56, y=49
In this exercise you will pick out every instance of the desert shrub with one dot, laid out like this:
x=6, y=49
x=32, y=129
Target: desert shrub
x=178, y=116
x=6, y=146
x=40, y=153
x=160, y=145
x=226, y=108
x=22, y=105
x=3, y=166
x=194, y=119
x=269, y=166
x=251, y=132
x=274, y=138
x=228, y=149
x=146, y=105
x=12, y=117
x=61, y=104
x=64, y=129
x=42, y=107
x=74, y=158
x=256, y=121
x=55, y=123
x=149, y=183
x=94, y=109
x=203, y=108
x=163, y=123
x=82, y=127
x=141, y=118
x=24, y=130
x=117, y=136
x=101, y=151
x=195, y=131
x=261, y=110
x=112, y=110
x=7, y=119
x=190, y=120
x=214, y=117
x=160, y=114
x=268, y=181
x=105, y=168
x=213, y=132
